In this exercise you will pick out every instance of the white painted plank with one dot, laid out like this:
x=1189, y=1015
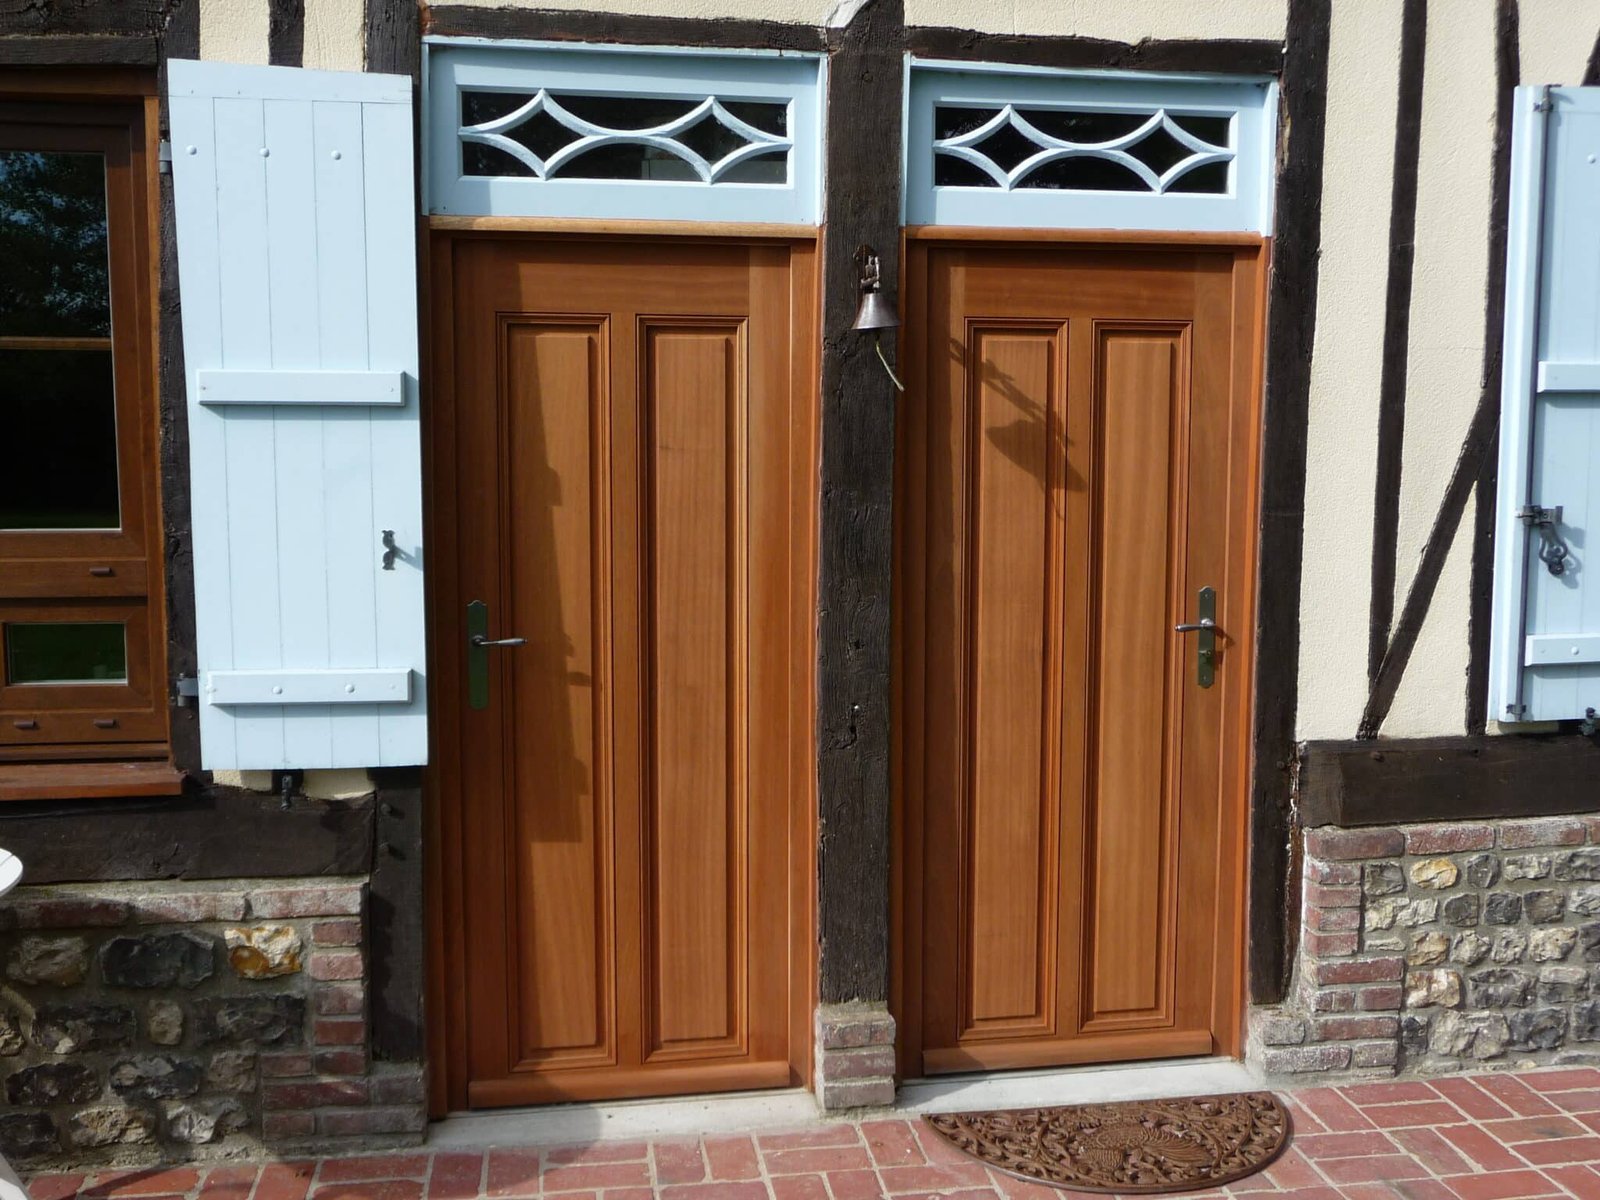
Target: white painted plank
x=301, y=387
x=313, y=688
x=396, y=436
x=251, y=496
x=1554, y=650
x=185, y=77
x=303, y=599
x=194, y=193
x=348, y=528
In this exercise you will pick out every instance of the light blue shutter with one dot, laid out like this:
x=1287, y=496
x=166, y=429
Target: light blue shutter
x=296, y=254
x=1545, y=663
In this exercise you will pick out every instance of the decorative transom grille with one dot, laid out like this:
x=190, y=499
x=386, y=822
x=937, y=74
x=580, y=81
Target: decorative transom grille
x=548, y=135
x=1082, y=149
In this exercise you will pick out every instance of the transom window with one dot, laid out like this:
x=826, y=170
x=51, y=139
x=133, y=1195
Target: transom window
x=989, y=147
x=620, y=132
x=80, y=560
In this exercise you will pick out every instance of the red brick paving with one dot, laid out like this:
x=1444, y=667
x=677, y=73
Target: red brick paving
x=1529, y=1136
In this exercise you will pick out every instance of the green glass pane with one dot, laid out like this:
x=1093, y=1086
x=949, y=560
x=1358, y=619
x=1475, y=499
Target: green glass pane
x=67, y=652
x=54, y=279
x=58, y=440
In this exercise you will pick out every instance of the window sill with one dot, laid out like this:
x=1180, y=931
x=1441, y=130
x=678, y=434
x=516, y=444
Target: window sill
x=87, y=780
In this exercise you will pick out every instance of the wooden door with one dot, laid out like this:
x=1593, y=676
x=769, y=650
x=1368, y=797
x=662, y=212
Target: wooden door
x=1076, y=462
x=623, y=465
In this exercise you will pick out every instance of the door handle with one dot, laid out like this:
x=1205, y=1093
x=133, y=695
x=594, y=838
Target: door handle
x=1205, y=650
x=478, y=644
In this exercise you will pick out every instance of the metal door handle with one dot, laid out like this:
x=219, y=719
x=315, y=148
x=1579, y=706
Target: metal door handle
x=1205, y=647
x=478, y=643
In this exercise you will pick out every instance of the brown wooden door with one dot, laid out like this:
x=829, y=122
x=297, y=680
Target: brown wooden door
x=623, y=457
x=1076, y=463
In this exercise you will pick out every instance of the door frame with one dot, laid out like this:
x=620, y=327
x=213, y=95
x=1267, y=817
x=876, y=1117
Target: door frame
x=444, y=969
x=1252, y=254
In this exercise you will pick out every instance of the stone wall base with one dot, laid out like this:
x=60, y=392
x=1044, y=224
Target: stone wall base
x=154, y=1021
x=855, y=1056
x=1433, y=948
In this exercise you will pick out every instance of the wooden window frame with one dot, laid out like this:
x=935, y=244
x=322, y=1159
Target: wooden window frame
x=115, y=574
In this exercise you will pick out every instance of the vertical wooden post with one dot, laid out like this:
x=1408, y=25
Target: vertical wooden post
x=865, y=82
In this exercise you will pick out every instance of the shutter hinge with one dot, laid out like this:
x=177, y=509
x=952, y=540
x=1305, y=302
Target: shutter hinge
x=185, y=690
x=164, y=158
x=1542, y=104
x=1553, y=551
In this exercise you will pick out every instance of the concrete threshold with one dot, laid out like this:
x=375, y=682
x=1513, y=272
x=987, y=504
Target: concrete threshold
x=792, y=1108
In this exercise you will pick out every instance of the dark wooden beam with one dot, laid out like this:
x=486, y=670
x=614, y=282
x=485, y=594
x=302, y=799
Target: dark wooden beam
x=209, y=833
x=1508, y=70
x=1237, y=56
x=80, y=50
x=1396, y=329
x=148, y=17
x=181, y=39
x=286, y=32
x=853, y=622
x=1291, y=326
x=394, y=43
x=1448, y=779
x=1591, y=70
x=396, y=917
x=624, y=29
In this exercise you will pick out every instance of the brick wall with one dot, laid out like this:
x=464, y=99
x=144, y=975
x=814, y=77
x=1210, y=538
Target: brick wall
x=171, y=1020
x=1434, y=948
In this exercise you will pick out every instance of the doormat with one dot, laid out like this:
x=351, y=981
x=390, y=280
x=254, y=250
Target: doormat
x=1134, y=1147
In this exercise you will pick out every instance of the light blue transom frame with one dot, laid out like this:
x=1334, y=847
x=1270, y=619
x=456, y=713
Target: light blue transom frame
x=1250, y=103
x=706, y=78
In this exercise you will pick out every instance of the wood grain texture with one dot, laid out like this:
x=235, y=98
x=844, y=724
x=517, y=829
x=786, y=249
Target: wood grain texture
x=856, y=534
x=1232, y=56
x=1291, y=316
x=622, y=442
x=1070, y=805
x=1476, y=777
x=208, y=833
x=578, y=25
x=81, y=49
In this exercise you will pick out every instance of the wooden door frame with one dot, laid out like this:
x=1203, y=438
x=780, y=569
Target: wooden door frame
x=906, y=845
x=444, y=972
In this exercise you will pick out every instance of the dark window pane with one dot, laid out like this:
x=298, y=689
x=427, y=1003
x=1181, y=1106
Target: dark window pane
x=1084, y=174
x=1084, y=127
x=1210, y=179
x=53, y=273
x=1216, y=130
x=772, y=167
x=949, y=171
x=67, y=652
x=58, y=440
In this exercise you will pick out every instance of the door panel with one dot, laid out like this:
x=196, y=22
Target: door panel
x=1068, y=798
x=623, y=465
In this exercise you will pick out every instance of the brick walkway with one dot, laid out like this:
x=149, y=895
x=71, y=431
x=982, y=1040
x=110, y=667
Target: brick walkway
x=1483, y=1137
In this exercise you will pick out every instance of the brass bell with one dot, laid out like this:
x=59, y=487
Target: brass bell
x=874, y=311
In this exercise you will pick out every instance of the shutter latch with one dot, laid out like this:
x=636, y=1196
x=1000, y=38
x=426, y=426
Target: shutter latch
x=164, y=158
x=1553, y=551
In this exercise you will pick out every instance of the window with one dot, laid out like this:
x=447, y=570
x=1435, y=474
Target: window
x=1007, y=146
x=81, y=651
x=544, y=130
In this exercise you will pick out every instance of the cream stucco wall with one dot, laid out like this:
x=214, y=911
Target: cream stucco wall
x=1341, y=436
x=234, y=30
x=1445, y=368
x=1557, y=37
x=1118, y=20
x=336, y=33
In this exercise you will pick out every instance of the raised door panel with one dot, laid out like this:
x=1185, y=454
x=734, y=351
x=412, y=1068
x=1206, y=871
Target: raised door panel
x=1010, y=809
x=1127, y=880
x=553, y=443
x=694, y=395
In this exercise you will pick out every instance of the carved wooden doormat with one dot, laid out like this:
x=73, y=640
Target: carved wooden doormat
x=1132, y=1147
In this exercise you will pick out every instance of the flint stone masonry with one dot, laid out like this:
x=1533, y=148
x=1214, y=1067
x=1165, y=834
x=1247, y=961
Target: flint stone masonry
x=145, y=1022
x=1440, y=948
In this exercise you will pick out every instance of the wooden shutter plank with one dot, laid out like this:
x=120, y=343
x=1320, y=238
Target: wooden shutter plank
x=396, y=447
